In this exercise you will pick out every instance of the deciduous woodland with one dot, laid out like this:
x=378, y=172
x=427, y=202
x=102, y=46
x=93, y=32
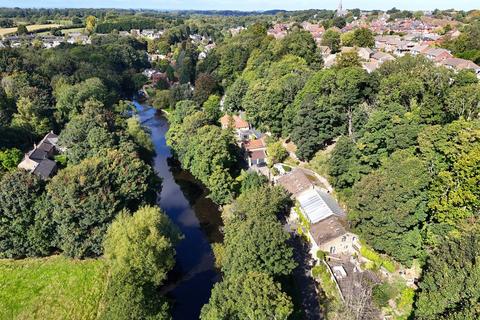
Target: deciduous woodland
x=397, y=146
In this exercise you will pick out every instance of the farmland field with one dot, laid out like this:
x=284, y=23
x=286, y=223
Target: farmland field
x=31, y=28
x=51, y=288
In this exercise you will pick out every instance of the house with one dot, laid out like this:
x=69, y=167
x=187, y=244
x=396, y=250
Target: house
x=39, y=160
x=419, y=49
x=278, y=31
x=382, y=57
x=328, y=227
x=295, y=182
x=437, y=54
x=241, y=127
x=135, y=32
x=236, y=31
x=331, y=235
x=324, y=51
x=255, y=151
x=461, y=64
x=370, y=66
x=329, y=61
x=365, y=53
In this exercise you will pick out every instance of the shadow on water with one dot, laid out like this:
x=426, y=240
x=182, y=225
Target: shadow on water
x=185, y=202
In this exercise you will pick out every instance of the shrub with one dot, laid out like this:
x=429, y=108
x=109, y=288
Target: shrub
x=382, y=293
x=405, y=302
x=377, y=259
x=321, y=255
x=321, y=273
x=275, y=171
x=388, y=265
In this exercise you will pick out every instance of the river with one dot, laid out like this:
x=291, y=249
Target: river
x=184, y=201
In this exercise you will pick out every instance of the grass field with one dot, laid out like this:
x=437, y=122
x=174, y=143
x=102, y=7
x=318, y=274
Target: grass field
x=31, y=28
x=68, y=31
x=51, y=288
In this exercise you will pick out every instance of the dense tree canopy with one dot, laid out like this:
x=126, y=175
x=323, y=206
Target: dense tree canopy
x=449, y=287
x=105, y=185
x=18, y=194
x=233, y=299
x=389, y=206
x=139, y=249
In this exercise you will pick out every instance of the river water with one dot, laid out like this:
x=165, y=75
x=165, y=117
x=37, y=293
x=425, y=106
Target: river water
x=184, y=201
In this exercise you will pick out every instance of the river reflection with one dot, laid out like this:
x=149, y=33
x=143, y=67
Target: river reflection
x=183, y=199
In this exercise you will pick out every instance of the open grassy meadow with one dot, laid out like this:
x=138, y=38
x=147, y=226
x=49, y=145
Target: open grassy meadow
x=51, y=288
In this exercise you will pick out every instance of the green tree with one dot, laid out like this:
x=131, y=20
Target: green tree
x=257, y=244
x=162, y=99
x=10, y=158
x=141, y=136
x=72, y=98
x=142, y=244
x=221, y=186
x=29, y=116
x=87, y=134
x=275, y=89
x=347, y=60
x=234, y=95
x=90, y=24
x=276, y=152
x=363, y=37
x=347, y=39
x=449, y=285
x=247, y=296
x=261, y=201
x=22, y=29
x=140, y=251
x=464, y=101
x=314, y=126
x=212, y=108
x=343, y=165
x=452, y=153
x=250, y=180
x=105, y=186
x=331, y=39
x=18, y=193
x=389, y=206
x=301, y=43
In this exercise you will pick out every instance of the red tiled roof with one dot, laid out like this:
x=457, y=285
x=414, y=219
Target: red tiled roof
x=257, y=154
x=238, y=123
x=254, y=144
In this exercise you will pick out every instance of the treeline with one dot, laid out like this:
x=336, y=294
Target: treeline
x=126, y=23
x=203, y=148
x=406, y=148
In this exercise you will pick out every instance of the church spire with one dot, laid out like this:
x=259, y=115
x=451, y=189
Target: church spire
x=340, y=12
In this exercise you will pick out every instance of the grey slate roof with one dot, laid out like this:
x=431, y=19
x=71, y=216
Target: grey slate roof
x=45, y=168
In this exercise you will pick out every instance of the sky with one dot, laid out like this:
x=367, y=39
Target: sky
x=245, y=5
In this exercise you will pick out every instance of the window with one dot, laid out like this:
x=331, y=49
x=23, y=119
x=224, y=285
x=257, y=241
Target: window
x=344, y=238
x=332, y=250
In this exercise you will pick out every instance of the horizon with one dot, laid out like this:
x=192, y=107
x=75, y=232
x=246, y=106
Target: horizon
x=245, y=6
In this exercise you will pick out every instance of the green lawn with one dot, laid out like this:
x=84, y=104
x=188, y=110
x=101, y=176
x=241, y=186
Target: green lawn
x=51, y=288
